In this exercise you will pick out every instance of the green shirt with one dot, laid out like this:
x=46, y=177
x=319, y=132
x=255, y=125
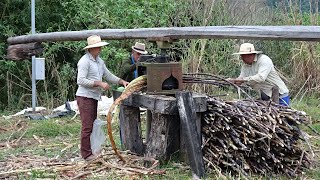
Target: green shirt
x=127, y=70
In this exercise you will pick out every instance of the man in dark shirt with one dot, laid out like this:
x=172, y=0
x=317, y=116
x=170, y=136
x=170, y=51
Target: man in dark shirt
x=128, y=70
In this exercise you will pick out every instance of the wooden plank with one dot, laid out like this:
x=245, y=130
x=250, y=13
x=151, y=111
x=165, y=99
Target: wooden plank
x=163, y=104
x=293, y=33
x=275, y=94
x=188, y=119
x=148, y=124
x=130, y=128
x=23, y=51
x=183, y=140
x=163, y=136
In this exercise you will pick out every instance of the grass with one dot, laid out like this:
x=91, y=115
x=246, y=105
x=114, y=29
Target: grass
x=53, y=128
x=56, y=134
x=310, y=105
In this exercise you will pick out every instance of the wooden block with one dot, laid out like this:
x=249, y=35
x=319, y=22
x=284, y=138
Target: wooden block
x=163, y=137
x=130, y=127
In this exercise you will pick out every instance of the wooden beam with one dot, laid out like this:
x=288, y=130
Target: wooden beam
x=188, y=119
x=24, y=51
x=163, y=104
x=293, y=33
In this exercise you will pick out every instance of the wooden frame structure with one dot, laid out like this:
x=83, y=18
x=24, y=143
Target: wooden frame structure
x=162, y=130
x=168, y=117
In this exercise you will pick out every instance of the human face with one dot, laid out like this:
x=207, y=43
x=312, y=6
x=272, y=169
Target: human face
x=136, y=56
x=248, y=58
x=95, y=51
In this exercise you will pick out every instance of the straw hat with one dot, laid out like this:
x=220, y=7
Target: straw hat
x=140, y=48
x=247, y=48
x=95, y=41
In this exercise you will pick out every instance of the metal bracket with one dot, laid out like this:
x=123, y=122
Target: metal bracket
x=163, y=43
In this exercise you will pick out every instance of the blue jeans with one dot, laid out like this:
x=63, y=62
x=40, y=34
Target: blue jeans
x=285, y=101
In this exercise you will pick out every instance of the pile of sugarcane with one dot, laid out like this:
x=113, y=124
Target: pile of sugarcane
x=254, y=137
x=204, y=78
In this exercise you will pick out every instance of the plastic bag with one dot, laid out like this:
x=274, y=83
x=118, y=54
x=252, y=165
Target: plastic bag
x=97, y=137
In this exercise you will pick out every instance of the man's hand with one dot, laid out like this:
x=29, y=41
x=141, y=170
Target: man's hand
x=101, y=84
x=236, y=81
x=104, y=85
x=123, y=82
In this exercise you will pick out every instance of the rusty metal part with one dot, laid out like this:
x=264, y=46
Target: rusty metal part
x=164, y=78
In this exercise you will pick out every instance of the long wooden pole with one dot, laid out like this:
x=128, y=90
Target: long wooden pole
x=294, y=33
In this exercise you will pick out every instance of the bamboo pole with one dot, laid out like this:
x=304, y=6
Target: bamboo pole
x=294, y=33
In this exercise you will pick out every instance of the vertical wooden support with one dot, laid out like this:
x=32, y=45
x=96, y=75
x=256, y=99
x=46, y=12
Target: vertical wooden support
x=275, y=94
x=148, y=124
x=188, y=118
x=183, y=139
x=163, y=137
x=130, y=127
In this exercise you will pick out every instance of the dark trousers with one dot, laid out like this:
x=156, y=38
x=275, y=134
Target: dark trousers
x=88, y=113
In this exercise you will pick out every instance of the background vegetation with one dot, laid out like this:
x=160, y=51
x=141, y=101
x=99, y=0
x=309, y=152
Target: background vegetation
x=298, y=61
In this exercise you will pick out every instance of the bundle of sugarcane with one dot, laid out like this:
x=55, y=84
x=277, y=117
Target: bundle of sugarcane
x=204, y=78
x=254, y=137
x=135, y=85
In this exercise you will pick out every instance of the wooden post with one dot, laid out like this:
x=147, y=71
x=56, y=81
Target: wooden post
x=183, y=140
x=188, y=119
x=148, y=124
x=275, y=94
x=164, y=136
x=130, y=127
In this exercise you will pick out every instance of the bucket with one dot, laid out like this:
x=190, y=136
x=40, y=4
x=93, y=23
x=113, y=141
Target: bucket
x=116, y=93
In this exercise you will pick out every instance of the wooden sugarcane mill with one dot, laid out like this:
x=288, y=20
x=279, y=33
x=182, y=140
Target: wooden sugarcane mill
x=173, y=116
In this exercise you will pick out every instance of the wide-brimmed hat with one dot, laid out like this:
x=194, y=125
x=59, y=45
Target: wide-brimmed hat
x=247, y=48
x=140, y=48
x=95, y=41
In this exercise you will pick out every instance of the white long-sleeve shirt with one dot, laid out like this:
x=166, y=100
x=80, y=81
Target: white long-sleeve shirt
x=261, y=75
x=90, y=70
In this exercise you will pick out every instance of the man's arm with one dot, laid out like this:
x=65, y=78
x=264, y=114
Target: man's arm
x=109, y=76
x=241, y=76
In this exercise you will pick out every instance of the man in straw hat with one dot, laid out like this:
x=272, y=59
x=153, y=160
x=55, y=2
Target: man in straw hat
x=259, y=72
x=91, y=69
x=128, y=69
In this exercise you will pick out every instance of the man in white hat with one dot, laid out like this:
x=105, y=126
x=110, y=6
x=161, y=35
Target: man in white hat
x=91, y=69
x=128, y=70
x=258, y=71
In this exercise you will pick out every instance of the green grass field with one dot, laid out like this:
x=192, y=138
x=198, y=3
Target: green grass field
x=57, y=140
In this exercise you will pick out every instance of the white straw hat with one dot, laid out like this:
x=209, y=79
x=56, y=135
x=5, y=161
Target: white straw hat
x=95, y=41
x=247, y=48
x=140, y=48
